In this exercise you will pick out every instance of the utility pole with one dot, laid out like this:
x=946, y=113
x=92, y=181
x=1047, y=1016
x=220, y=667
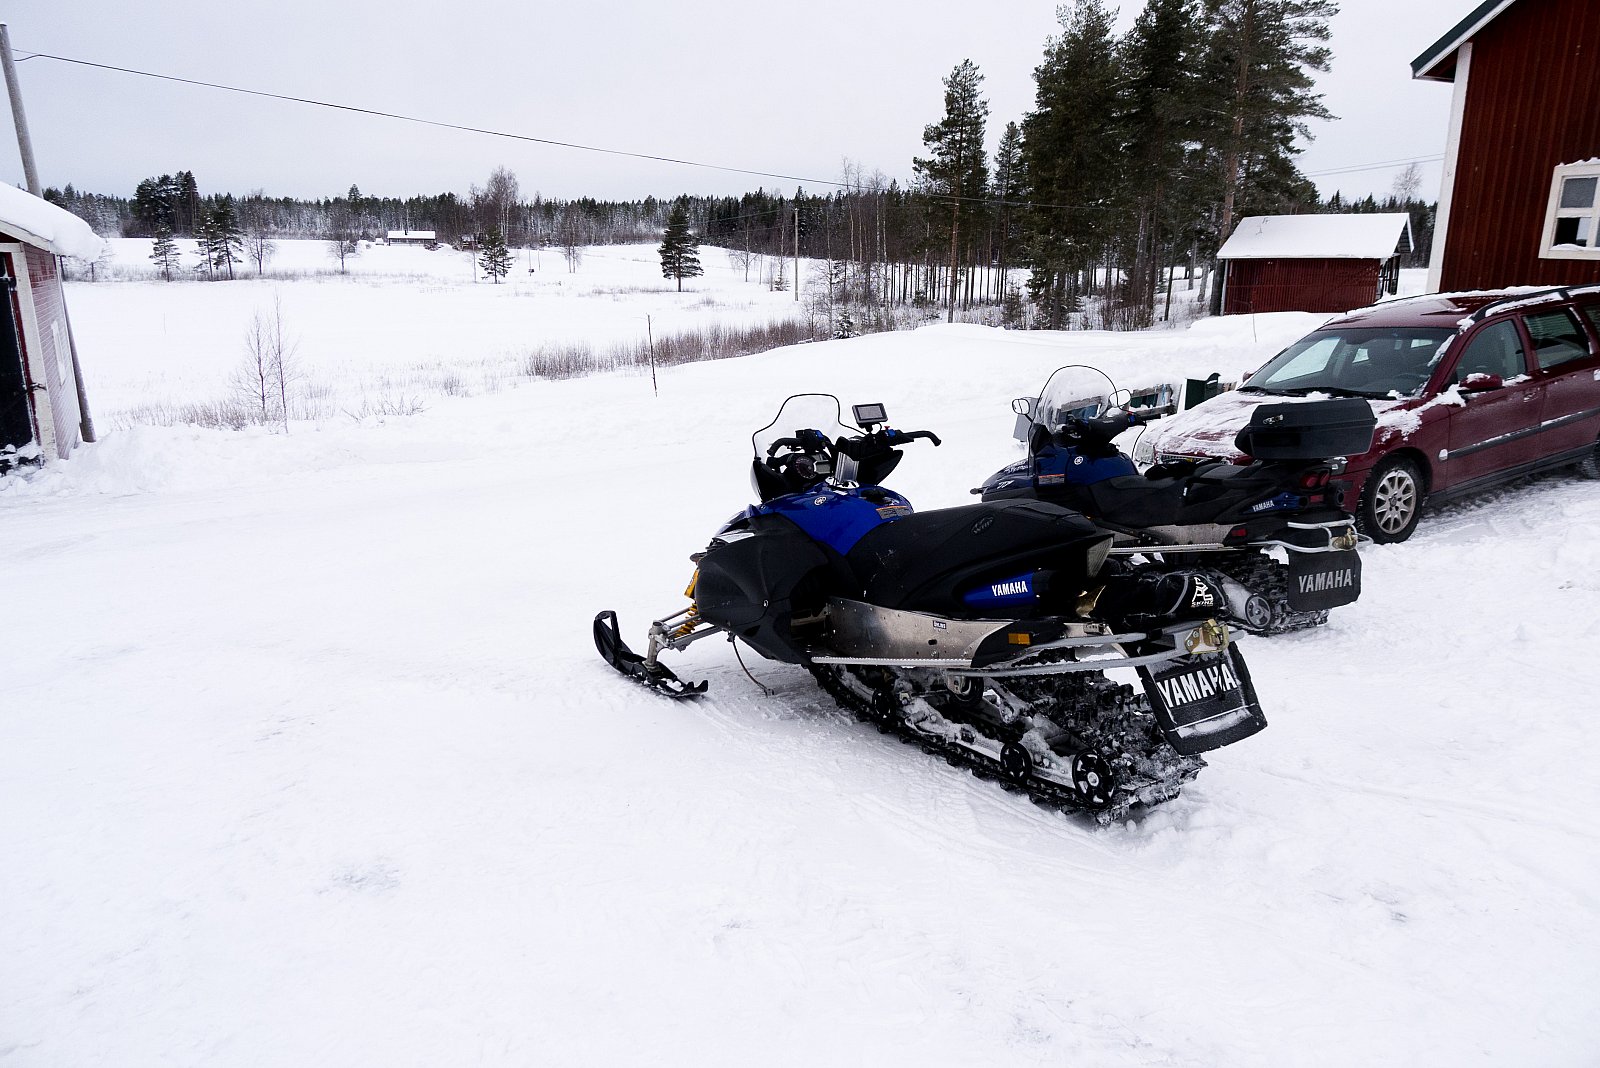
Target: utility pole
x=29, y=172
x=24, y=142
x=797, y=250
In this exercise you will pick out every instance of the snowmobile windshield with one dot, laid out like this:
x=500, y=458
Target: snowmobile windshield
x=1074, y=391
x=803, y=411
x=1354, y=362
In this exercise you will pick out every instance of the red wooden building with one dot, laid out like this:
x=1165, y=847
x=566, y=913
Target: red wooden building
x=41, y=408
x=1520, y=202
x=1314, y=263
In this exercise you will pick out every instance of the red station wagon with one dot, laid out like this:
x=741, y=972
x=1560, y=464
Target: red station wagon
x=1468, y=389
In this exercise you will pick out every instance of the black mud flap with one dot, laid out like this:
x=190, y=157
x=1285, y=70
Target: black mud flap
x=1204, y=702
x=615, y=651
x=1319, y=581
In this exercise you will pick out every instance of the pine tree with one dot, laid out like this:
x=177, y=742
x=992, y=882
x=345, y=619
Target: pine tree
x=227, y=246
x=205, y=242
x=1006, y=188
x=1262, y=53
x=165, y=252
x=493, y=256
x=679, y=258
x=956, y=168
x=1071, y=158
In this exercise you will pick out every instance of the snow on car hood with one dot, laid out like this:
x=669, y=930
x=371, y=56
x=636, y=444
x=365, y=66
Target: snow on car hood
x=1208, y=429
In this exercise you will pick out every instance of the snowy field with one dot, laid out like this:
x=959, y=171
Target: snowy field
x=404, y=327
x=306, y=756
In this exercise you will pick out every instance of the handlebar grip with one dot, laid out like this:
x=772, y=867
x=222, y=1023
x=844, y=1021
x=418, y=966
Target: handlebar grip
x=783, y=443
x=900, y=437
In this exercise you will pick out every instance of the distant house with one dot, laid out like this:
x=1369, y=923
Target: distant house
x=1314, y=263
x=412, y=237
x=42, y=412
x=1520, y=203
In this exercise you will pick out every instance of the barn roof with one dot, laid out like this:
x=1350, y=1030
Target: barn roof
x=39, y=222
x=1437, y=63
x=412, y=235
x=1318, y=237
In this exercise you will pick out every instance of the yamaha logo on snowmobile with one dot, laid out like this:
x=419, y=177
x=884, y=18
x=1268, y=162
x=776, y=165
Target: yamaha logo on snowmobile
x=1010, y=589
x=1199, y=685
x=1327, y=580
x=1202, y=596
x=819, y=501
x=1077, y=459
x=983, y=524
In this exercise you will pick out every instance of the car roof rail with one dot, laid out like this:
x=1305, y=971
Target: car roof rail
x=1553, y=293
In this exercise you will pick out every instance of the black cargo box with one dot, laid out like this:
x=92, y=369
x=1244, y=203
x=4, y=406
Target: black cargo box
x=1313, y=430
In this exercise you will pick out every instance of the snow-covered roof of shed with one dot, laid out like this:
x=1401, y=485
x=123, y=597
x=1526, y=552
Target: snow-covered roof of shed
x=414, y=235
x=39, y=222
x=1318, y=237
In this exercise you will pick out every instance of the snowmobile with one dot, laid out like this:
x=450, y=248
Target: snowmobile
x=1228, y=515
x=982, y=633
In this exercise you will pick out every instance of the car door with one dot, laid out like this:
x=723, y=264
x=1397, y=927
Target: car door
x=1568, y=355
x=1492, y=432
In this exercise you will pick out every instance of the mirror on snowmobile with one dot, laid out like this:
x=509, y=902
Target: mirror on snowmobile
x=1120, y=398
x=1023, y=406
x=868, y=416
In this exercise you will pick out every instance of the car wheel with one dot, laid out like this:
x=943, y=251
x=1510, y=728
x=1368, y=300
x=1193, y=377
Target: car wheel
x=1391, y=503
x=1589, y=466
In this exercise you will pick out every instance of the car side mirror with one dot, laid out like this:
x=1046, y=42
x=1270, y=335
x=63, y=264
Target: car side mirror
x=1481, y=383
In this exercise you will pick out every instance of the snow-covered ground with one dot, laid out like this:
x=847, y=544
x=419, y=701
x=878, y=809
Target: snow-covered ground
x=306, y=757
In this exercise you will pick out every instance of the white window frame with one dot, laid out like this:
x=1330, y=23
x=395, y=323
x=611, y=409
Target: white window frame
x=1587, y=169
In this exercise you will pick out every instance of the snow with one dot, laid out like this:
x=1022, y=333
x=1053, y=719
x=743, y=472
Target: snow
x=306, y=755
x=39, y=222
x=1357, y=237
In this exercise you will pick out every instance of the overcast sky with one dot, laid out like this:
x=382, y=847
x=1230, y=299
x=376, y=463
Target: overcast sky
x=792, y=90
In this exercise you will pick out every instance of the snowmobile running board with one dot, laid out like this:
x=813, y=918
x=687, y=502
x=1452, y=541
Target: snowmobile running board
x=649, y=672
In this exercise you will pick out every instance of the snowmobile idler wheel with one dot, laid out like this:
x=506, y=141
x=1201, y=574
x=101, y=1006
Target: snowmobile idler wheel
x=1391, y=503
x=1015, y=763
x=885, y=710
x=1257, y=612
x=967, y=691
x=1093, y=780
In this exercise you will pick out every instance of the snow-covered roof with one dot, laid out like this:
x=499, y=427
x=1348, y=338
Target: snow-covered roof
x=1318, y=237
x=411, y=235
x=1431, y=64
x=39, y=222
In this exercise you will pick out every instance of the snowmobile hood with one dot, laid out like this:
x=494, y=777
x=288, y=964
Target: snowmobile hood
x=1209, y=429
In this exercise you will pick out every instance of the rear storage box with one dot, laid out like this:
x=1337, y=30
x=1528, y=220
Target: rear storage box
x=1313, y=430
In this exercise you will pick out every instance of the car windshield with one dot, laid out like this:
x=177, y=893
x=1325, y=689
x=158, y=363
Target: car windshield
x=1354, y=362
x=803, y=411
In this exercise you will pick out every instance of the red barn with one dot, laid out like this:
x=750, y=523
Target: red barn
x=1314, y=263
x=1520, y=202
x=41, y=410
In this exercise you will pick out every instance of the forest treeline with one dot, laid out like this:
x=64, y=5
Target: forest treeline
x=1140, y=154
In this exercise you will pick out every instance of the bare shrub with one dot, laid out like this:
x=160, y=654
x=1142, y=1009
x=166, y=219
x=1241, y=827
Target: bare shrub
x=268, y=375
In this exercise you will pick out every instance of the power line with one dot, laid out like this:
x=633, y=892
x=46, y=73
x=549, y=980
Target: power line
x=509, y=135
x=531, y=138
x=1375, y=166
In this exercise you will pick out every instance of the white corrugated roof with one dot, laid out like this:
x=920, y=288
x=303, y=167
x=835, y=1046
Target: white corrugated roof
x=1333, y=237
x=39, y=222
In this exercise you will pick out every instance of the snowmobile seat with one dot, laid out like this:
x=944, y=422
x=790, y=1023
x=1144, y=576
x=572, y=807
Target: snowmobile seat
x=927, y=560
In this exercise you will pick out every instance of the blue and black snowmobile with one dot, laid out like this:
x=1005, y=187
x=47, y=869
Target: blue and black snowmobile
x=982, y=633
x=1283, y=497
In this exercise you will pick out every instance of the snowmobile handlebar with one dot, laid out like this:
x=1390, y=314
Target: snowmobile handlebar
x=814, y=440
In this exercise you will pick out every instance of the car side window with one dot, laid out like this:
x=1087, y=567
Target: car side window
x=1558, y=337
x=1593, y=312
x=1496, y=350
